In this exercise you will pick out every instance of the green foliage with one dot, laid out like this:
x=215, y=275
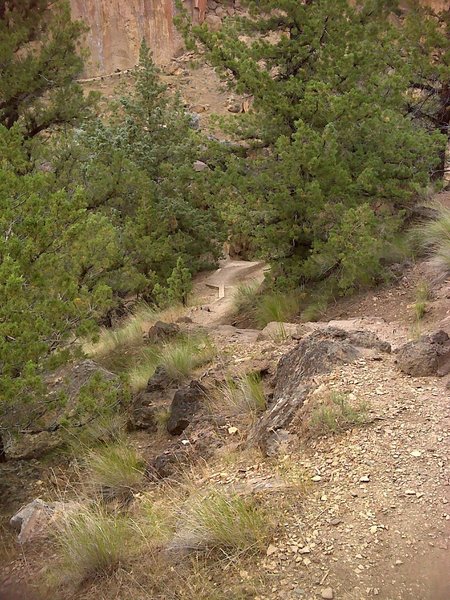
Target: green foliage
x=38, y=66
x=47, y=293
x=277, y=307
x=335, y=158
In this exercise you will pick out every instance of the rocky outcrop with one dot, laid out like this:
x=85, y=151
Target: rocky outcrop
x=429, y=355
x=320, y=352
x=117, y=28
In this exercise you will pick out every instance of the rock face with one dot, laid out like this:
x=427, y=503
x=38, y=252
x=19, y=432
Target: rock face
x=117, y=28
x=185, y=404
x=320, y=352
x=429, y=355
x=28, y=446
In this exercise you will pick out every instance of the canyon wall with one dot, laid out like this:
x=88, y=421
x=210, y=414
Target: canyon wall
x=117, y=27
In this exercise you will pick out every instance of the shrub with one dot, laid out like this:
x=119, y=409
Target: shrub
x=245, y=297
x=114, y=470
x=423, y=294
x=335, y=414
x=92, y=542
x=217, y=520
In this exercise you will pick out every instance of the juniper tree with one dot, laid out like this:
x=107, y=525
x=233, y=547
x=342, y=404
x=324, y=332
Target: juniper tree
x=39, y=64
x=336, y=161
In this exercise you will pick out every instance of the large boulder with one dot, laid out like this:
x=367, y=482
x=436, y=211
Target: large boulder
x=185, y=404
x=429, y=355
x=320, y=352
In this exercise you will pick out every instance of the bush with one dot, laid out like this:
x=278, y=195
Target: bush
x=217, y=520
x=114, y=471
x=277, y=307
x=92, y=543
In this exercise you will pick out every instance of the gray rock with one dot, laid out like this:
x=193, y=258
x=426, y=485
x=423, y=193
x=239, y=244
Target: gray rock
x=142, y=413
x=327, y=593
x=26, y=446
x=185, y=404
x=200, y=166
x=429, y=355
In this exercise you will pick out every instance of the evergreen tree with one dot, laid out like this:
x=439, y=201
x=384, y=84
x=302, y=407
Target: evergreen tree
x=335, y=160
x=179, y=283
x=38, y=66
x=52, y=254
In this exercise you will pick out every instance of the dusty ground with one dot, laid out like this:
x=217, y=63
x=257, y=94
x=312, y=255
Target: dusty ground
x=375, y=521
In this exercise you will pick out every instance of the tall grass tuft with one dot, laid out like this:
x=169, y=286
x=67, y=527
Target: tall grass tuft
x=181, y=357
x=277, y=307
x=222, y=521
x=114, y=470
x=92, y=543
x=433, y=238
x=242, y=396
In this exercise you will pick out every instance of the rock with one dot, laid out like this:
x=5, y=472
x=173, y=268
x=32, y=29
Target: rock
x=200, y=166
x=317, y=353
x=429, y=355
x=160, y=331
x=327, y=593
x=31, y=445
x=142, y=413
x=276, y=330
x=235, y=107
x=160, y=381
x=185, y=404
x=34, y=519
x=214, y=22
x=184, y=319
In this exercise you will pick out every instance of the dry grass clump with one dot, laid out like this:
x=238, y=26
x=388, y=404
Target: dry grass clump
x=181, y=357
x=92, y=543
x=239, y=397
x=423, y=295
x=114, y=470
x=433, y=238
x=333, y=413
x=116, y=348
x=278, y=307
x=217, y=520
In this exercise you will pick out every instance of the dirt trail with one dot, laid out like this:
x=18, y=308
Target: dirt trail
x=377, y=522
